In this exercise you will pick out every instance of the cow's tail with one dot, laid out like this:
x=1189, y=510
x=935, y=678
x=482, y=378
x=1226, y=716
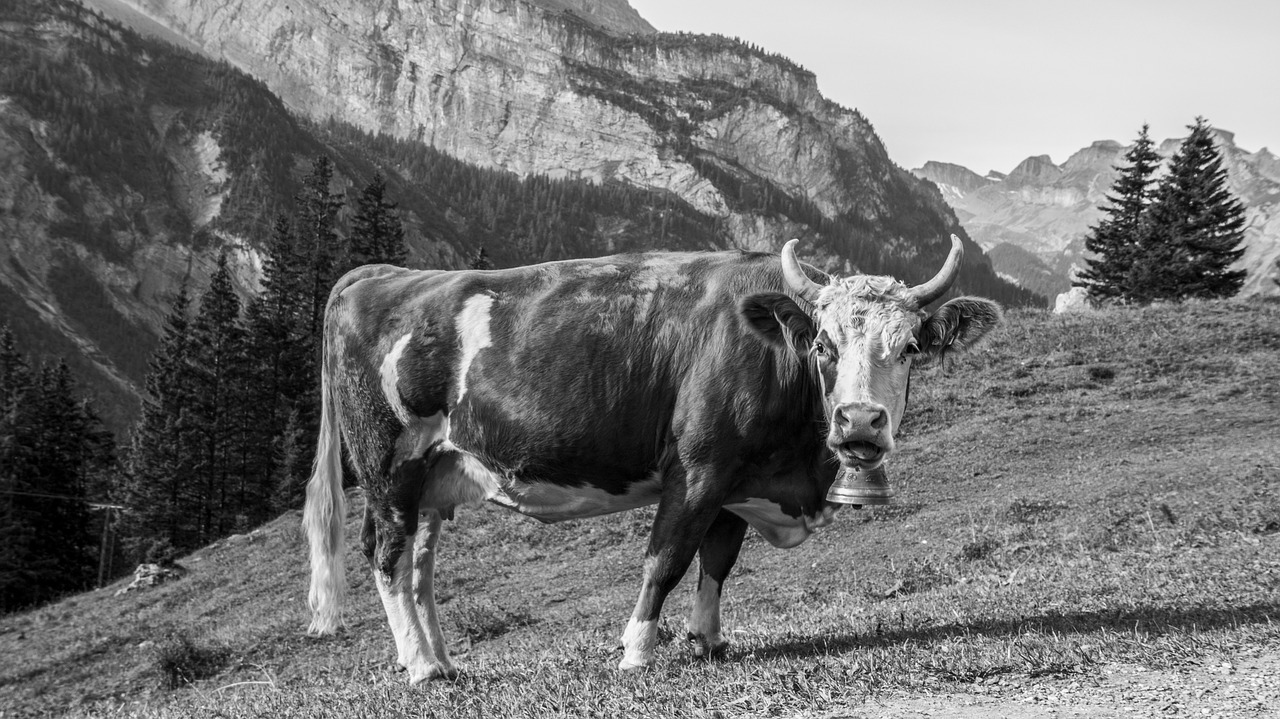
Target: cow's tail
x=324, y=515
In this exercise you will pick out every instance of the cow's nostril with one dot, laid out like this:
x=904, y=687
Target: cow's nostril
x=880, y=420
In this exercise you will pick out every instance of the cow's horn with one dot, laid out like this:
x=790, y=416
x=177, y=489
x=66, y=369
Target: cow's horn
x=941, y=282
x=794, y=274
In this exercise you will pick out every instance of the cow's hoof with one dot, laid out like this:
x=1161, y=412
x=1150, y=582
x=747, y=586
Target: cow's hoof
x=433, y=670
x=630, y=663
x=707, y=647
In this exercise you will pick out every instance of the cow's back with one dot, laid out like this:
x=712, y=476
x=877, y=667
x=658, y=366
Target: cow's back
x=575, y=372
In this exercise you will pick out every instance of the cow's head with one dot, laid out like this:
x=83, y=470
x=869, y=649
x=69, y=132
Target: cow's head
x=861, y=339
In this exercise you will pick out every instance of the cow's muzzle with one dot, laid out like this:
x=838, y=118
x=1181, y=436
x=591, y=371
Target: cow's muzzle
x=859, y=435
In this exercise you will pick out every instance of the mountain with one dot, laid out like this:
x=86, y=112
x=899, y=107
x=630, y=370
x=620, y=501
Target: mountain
x=1033, y=221
x=139, y=140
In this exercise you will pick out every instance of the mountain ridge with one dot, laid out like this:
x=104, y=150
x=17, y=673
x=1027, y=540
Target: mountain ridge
x=1046, y=210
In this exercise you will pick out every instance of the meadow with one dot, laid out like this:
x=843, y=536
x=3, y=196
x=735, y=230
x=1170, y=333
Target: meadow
x=1083, y=498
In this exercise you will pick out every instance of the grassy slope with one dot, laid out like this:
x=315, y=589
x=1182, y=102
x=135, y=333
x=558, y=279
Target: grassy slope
x=1084, y=490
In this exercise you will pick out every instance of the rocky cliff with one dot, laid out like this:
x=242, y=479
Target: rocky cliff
x=548, y=88
x=1033, y=222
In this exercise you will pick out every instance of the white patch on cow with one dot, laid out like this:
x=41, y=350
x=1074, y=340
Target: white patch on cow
x=390, y=375
x=458, y=477
x=555, y=502
x=704, y=620
x=473, y=334
x=779, y=528
x=638, y=643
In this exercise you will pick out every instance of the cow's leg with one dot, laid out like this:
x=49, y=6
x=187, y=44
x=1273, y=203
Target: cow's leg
x=684, y=513
x=424, y=567
x=716, y=557
x=421, y=652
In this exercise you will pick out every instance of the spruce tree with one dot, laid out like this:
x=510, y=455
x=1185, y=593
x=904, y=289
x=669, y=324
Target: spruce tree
x=18, y=539
x=276, y=326
x=377, y=235
x=1114, y=240
x=217, y=366
x=323, y=248
x=1195, y=228
x=62, y=452
x=480, y=261
x=318, y=240
x=52, y=450
x=160, y=503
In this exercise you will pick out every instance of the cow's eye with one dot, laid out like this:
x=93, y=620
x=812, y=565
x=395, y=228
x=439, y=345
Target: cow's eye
x=911, y=349
x=820, y=349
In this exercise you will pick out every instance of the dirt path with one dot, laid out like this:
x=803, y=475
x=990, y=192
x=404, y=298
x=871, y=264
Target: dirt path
x=1247, y=687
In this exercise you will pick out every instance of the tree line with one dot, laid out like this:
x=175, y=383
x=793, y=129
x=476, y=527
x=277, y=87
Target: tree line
x=228, y=423
x=1169, y=239
x=56, y=464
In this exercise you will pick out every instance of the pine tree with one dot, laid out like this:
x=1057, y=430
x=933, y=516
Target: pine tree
x=290, y=474
x=1195, y=228
x=321, y=245
x=318, y=240
x=18, y=539
x=160, y=506
x=377, y=235
x=276, y=328
x=480, y=261
x=1114, y=240
x=62, y=452
x=52, y=450
x=217, y=366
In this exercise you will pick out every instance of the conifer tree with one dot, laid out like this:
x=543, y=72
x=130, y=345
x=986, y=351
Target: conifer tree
x=18, y=540
x=51, y=448
x=1195, y=230
x=217, y=366
x=160, y=506
x=289, y=474
x=481, y=260
x=1114, y=240
x=318, y=240
x=377, y=235
x=61, y=454
x=276, y=327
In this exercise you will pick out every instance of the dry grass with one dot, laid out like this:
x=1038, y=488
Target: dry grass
x=1084, y=491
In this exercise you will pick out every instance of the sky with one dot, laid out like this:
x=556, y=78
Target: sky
x=986, y=84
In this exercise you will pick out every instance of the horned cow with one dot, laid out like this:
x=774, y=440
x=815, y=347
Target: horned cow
x=728, y=388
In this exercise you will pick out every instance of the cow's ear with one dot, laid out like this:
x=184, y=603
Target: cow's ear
x=779, y=320
x=957, y=325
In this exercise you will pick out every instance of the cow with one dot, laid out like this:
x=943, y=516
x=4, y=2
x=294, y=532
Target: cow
x=729, y=388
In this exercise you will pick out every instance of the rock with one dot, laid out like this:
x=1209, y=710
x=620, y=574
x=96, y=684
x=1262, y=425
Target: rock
x=150, y=575
x=1075, y=299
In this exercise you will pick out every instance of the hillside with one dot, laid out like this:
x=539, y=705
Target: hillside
x=1033, y=221
x=1088, y=518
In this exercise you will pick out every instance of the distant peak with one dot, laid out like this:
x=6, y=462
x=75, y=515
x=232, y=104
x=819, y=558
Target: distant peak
x=1038, y=168
x=1100, y=155
x=946, y=173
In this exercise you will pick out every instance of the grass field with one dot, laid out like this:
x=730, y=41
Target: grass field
x=1083, y=498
